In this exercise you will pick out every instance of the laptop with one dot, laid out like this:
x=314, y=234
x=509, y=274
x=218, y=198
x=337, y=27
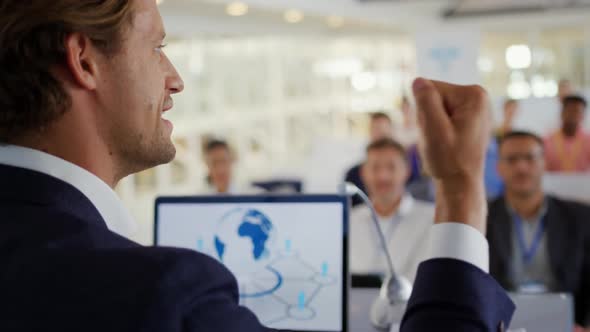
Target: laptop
x=288, y=253
x=534, y=313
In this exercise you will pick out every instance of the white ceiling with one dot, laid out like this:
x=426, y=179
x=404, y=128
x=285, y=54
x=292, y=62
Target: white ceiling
x=498, y=7
x=382, y=12
x=369, y=15
x=515, y=4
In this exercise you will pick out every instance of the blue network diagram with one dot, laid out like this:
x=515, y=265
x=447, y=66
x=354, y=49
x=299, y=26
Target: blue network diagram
x=283, y=289
x=294, y=298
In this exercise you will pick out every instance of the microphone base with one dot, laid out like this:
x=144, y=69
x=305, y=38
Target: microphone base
x=386, y=316
x=389, y=307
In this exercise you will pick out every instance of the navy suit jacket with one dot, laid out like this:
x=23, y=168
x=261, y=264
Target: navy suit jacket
x=62, y=270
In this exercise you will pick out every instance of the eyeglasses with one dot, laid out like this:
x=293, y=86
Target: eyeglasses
x=527, y=157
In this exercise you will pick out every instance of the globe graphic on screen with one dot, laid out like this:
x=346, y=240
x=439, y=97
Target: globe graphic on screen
x=243, y=243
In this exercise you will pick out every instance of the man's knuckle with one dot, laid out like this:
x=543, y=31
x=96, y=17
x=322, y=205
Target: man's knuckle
x=479, y=92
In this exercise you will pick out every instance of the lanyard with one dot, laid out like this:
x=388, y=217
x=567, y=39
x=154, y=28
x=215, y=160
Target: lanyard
x=528, y=253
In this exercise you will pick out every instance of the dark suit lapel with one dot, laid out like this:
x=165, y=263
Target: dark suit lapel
x=501, y=235
x=557, y=241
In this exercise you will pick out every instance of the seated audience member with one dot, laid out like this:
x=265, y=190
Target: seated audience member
x=380, y=127
x=509, y=111
x=420, y=184
x=404, y=220
x=220, y=162
x=538, y=243
x=568, y=149
x=492, y=180
x=422, y=189
x=416, y=169
x=564, y=88
x=407, y=132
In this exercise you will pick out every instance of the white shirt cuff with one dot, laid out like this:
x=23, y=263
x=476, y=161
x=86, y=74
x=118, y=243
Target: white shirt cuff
x=461, y=242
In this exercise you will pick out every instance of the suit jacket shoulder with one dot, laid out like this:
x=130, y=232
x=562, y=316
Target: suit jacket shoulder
x=64, y=270
x=579, y=210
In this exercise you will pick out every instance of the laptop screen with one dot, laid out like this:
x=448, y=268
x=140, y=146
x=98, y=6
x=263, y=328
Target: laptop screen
x=288, y=253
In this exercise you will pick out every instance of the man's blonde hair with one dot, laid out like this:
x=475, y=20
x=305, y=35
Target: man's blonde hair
x=32, y=43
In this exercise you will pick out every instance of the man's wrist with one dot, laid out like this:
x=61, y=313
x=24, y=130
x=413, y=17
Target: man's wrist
x=463, y=200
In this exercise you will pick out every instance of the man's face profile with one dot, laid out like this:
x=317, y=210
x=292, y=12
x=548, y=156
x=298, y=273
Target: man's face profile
x=137, y=87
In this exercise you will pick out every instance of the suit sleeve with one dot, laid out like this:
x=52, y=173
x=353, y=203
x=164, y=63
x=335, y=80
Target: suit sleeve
x=452, y=295
x=203, y=295
x=217, y=309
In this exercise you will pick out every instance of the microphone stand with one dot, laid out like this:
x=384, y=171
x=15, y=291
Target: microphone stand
x=395, y=290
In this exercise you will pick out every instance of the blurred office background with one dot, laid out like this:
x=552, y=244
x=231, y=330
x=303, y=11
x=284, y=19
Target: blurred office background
x=289, y=83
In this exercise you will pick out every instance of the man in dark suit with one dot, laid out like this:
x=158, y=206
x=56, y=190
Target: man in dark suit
x=83, y=89
x=537, y=242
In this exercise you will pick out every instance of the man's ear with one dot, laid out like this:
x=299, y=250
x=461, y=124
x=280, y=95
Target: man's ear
x=81, y=61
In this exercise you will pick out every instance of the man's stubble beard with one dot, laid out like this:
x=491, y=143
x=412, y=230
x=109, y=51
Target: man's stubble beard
x=135, y=152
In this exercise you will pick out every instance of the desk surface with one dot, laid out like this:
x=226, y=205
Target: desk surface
x=535, y=313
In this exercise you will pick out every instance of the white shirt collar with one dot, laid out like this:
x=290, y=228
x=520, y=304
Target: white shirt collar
x=104, y=199
x=406, y=205
x=405, y=208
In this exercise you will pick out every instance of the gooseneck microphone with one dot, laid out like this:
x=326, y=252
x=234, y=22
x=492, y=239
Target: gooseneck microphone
x=395, y=290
